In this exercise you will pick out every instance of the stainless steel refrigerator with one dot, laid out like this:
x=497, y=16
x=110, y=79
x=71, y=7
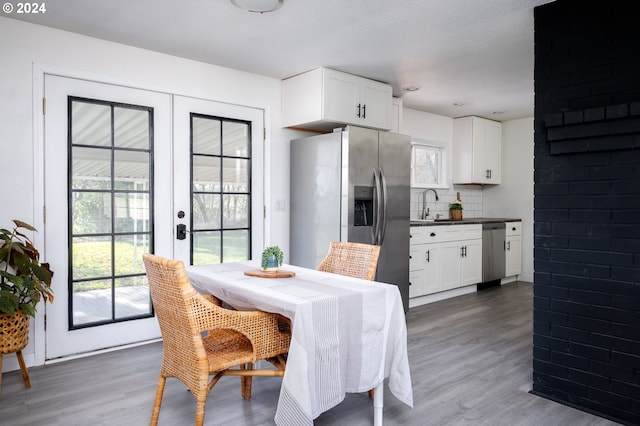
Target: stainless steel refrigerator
x=352, y=185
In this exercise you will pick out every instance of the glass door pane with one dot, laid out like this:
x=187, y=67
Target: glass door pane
x=110, y=215
x=220, y=189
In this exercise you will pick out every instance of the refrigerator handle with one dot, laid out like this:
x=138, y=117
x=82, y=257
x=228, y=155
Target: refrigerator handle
x=377, y=209
x=383, y=225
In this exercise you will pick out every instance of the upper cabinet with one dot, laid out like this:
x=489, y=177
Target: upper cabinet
x=477, y=146
x=322, y=99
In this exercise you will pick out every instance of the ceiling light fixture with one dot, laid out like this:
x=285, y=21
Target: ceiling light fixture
x=258, y=6
x=410, y=88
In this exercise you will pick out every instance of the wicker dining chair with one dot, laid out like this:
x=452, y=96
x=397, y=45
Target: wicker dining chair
x=352, y=259
x=202, y=339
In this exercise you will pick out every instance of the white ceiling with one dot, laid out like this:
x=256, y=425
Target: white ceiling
x=478, y=52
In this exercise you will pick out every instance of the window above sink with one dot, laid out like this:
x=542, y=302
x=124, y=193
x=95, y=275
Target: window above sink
x=429, y=164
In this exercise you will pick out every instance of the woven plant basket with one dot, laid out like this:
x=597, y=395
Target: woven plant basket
x=14, y=332
x=456, y=214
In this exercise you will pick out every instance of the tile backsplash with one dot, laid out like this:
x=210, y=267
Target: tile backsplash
x=471, y=196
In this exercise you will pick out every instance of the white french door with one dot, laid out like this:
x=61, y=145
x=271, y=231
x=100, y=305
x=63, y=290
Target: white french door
x=218, y=181
x=120, y=175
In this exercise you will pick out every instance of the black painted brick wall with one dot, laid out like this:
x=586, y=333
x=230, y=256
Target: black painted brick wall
x=586, y=340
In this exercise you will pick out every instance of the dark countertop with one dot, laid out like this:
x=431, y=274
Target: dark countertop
x=472, y=221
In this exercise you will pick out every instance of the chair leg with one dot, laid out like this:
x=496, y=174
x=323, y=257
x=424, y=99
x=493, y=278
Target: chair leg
x=1, y=355
x=200, y=405
x=158, y=401
x=245, y=382
x=23, y=370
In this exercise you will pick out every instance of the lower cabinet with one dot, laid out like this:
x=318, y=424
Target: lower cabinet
x=513, y=249
x=444, y=257
x=461, y=263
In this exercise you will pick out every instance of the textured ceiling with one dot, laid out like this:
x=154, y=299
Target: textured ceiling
x=476, y=52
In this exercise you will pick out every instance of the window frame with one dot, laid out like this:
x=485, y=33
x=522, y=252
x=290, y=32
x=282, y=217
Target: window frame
x=443, y=162
x=112, y=193
x=221, y=228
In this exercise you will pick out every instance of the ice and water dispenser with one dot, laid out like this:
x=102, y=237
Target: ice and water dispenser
x=363, y=206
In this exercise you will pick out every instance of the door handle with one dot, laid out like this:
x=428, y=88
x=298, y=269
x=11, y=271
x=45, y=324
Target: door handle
x=377, y=209
x=358, y=114
x=364, y=111
x=428, y=259
x=181, y=231
x=385, y=199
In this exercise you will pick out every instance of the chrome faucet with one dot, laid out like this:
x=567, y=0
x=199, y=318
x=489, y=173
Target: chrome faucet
x=425, y=209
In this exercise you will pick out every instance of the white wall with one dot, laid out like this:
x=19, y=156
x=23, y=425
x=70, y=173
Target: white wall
x=24, y=45
x=514, y=196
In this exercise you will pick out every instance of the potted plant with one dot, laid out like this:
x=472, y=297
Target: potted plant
x=24, y=281
x=272, y=258
x=455, y=208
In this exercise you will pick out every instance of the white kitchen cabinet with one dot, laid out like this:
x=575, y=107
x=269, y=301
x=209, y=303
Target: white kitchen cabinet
x=462, y=259
x=477, y=147
x=513, y=249
x=323, y=98
x=444, y=257
x=424, y=269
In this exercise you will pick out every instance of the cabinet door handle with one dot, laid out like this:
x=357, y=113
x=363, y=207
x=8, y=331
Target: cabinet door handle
x=358, y=114
x=462, y=251
x=428, y=257
x=433, y=234
x=364, y=111
x=509, y=245
x=513, y=229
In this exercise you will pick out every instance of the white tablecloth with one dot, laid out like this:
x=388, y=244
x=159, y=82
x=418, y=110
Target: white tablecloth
x=347, y=334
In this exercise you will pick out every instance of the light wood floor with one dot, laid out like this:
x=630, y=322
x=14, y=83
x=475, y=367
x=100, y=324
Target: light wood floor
x=470, y=362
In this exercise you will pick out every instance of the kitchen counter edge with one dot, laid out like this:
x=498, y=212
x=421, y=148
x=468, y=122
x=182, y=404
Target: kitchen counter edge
x=472, y=221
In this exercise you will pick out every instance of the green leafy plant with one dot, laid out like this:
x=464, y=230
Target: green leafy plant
x=24, y=281
x=455, y=206
x=269, y=251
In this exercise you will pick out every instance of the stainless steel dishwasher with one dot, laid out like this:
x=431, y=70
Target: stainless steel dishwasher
x=493, y=260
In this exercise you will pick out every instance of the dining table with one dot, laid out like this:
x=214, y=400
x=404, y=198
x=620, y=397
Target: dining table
x=347, y=334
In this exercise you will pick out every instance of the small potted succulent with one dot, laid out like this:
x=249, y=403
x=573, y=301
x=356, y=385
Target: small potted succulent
x=272, y=258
